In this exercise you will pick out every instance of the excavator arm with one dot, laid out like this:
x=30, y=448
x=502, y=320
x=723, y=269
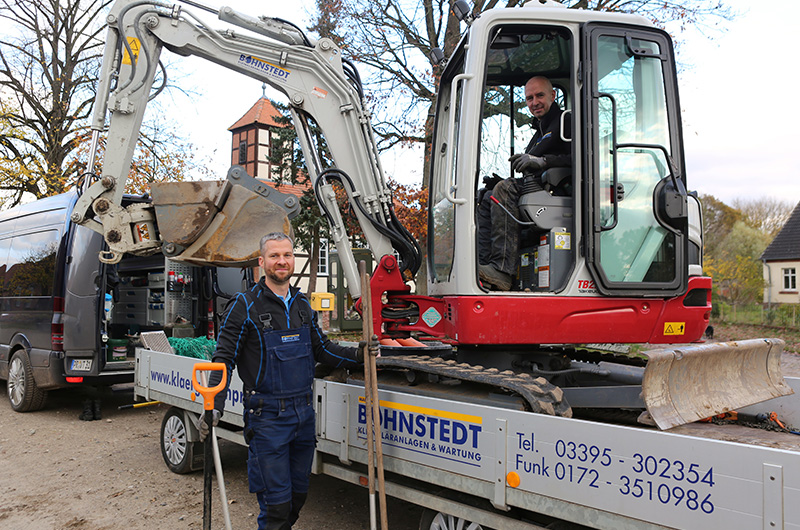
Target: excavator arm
x=321, y=89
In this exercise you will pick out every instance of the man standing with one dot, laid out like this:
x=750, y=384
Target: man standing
x=547, y=149
x=271, y=334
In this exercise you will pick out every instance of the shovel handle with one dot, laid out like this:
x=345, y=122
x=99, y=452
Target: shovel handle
x=209, y=393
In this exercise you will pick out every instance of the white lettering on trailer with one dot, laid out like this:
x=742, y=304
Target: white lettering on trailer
x=183, y=381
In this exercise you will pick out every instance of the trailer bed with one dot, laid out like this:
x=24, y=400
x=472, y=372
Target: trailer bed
x=527, y=466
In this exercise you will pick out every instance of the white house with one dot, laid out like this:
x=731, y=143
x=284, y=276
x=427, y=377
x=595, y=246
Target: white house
x=781, y=261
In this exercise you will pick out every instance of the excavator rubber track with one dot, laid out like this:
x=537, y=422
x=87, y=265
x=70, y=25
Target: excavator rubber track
x=541, y=396
x=680, y=385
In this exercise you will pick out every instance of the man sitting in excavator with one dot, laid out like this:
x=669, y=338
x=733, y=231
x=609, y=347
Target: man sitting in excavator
x=499, y=233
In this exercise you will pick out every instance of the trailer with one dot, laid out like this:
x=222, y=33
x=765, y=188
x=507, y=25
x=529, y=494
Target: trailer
x=481, y=458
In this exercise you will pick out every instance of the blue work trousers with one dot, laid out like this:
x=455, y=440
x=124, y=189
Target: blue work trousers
x=282, y=439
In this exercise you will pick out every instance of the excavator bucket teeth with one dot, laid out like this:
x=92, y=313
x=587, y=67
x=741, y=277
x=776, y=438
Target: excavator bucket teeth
x=195, y=230
x=690, y=383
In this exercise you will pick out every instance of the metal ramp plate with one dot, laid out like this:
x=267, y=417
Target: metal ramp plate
x=156, y=341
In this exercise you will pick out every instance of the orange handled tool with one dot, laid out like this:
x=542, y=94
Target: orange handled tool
x=209, y=393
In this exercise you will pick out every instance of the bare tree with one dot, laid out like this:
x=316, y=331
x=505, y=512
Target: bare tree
x=48, y=72
x=766, y=214
x=49, y=65
x=393, y=39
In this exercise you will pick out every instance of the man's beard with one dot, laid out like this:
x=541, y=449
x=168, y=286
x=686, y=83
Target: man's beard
x=273, y=275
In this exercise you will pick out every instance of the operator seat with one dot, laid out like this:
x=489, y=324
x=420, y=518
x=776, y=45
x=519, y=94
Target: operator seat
x=547, y=200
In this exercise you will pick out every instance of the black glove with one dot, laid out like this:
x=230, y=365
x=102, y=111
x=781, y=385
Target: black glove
x=490, y=182
x=202, y=425
x=374, y=347
x=525, y=163
x=359, y=357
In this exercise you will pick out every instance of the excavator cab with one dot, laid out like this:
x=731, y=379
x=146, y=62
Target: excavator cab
x=546, y=204
x=623, y=202
x=614, y=224
x=610, y=247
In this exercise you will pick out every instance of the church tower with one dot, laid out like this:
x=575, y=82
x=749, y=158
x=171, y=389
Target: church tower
x=253, y=138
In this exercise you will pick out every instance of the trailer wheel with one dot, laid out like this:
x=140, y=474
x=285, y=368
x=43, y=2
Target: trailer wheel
x=23, y=393
x=432, y=520
x=178, y=452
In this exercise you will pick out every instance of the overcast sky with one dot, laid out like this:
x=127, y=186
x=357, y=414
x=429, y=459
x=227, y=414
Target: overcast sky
x=740, y=109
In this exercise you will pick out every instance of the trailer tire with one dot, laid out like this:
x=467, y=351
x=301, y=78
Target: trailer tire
x=23, y=393
x=433, y=520
x=178, y=452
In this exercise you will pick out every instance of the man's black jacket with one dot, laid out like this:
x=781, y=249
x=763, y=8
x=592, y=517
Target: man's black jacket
x=238, y=342
x=547, y=141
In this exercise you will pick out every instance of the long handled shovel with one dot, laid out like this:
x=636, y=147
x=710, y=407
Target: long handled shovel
x=373, y=404
x=211, y=449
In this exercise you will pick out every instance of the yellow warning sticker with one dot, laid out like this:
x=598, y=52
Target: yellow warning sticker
x=563, y=241
x=135, y=44
x=674, y=328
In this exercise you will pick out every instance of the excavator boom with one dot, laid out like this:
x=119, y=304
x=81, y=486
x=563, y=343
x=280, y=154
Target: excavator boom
x=321, y=88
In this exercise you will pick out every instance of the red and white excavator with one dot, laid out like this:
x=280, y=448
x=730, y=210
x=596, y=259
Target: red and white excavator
x=611, y=247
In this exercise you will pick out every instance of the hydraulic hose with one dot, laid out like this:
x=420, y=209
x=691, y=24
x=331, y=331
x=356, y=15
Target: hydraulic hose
x=402, y=241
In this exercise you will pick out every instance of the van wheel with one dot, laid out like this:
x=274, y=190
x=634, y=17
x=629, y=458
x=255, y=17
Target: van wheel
x=23, y=393
x=178, y=452
x=432, y=520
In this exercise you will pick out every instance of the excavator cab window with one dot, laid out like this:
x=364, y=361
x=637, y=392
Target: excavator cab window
x=516, y=54
x=441, y=221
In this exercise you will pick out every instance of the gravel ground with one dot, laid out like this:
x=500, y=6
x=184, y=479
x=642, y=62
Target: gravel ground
x=62, y=473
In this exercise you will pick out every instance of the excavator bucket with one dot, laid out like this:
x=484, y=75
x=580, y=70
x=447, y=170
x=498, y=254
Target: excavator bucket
x=690, y=383
x=219, y=223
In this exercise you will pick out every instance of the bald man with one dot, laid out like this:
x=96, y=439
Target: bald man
x=498, y=233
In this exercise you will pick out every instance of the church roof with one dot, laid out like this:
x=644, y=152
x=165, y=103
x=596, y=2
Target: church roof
x=262, y=113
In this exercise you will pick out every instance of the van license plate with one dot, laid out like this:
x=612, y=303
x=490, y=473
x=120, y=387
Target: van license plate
x=81, y=365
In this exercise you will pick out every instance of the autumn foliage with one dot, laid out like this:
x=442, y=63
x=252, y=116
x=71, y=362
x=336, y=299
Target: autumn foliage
x=410, y=207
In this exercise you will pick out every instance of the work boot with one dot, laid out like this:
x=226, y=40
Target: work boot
x=500, y=280
x=88, y=411
x=278, y=516
x=298, y=500
x=98, y=415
